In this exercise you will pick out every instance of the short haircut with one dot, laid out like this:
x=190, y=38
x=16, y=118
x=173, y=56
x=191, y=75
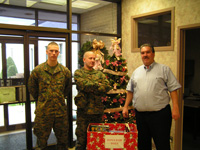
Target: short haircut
x=85, y=54
x=52, y=43
x=147, y=45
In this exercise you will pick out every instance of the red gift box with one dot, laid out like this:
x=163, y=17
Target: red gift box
x=120, y=136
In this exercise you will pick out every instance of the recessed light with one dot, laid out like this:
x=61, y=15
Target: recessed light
x=30, y=3
x=83, y=4
x=56, y=2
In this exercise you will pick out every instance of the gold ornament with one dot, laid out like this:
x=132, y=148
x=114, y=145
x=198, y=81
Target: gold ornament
x=99, y=55
x=115, y=86
x=96, y=48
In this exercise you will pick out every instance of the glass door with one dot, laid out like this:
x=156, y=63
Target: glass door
x=16, y=63
x=37, y=55
x=12, y=87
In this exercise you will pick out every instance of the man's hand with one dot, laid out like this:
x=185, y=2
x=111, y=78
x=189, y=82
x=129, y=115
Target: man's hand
x=125, y=112
x=175, y=112
x=175, y=109
x=129, y=97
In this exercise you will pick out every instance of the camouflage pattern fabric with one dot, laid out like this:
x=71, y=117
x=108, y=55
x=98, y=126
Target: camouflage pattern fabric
x=88, y=101
x=42, y=130
x=89, y=90
x=50, y=88
x=82, y=124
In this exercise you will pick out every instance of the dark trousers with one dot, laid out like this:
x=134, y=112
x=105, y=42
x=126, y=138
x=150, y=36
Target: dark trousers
x=83, y=120
x=156, y=125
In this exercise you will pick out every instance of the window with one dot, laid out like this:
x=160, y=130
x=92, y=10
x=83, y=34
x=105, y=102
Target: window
x=1, y=63
x=15, y=61
x=155, y=28
x=1, y=116
x=17, y=16
x=52, y=19
x=43, y=46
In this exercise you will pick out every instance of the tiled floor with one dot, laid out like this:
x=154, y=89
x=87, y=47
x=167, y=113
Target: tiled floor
x=17, y=141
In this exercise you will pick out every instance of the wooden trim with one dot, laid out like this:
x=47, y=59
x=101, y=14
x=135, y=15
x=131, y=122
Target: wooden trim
x=134, y=29
x=180, y=76
x=45, y=29
x=178, y=141
x=188, y=27
x=154, y=13
x=29, y=143
x=33, y=28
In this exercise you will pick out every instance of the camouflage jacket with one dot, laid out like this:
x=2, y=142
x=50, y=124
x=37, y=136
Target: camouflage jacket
x=90, y=91
x=50, y=89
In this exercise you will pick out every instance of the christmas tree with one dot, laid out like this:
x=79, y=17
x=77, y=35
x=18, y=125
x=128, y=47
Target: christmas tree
x=97, y=47
x=115, y=69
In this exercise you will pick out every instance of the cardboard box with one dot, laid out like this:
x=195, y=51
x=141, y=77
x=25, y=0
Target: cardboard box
x=119, y=136
x=7, y=94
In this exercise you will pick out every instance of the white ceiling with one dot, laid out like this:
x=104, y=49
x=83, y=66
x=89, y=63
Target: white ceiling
x=42, y=5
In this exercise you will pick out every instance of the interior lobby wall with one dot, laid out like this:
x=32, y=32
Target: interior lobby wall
x=186, y=13
x=102, y=20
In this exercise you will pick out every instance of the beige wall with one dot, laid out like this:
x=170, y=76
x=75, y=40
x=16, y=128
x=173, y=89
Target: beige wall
x=103, y=20
x=186, y=13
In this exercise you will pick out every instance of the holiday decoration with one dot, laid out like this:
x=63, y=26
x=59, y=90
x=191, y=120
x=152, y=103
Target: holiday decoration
x=99, y=59
x=98, y=48
x=115, y=69
x=116, y=48
x=112, y=136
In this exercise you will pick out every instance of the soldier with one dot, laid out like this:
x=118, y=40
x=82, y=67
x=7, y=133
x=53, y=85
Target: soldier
x=91, y=86
x=49, y=84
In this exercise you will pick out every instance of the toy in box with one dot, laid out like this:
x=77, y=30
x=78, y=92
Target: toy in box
x=111, y=136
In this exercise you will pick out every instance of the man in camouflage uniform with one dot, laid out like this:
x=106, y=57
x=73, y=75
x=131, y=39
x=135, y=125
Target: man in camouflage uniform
x=91, y=86
x=49, y=84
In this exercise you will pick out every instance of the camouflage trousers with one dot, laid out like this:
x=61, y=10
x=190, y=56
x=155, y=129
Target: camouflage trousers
x=82, y=122
x=42, y=129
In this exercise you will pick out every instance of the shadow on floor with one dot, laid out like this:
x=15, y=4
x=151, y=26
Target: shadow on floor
x=189, y=143
x=17, y=141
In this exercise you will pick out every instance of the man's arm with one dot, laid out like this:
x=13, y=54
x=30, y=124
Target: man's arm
x=84, y=83
x=103, y=85
x=175, y=109
x=129, y=97
x=68, y=82
x=33, y=85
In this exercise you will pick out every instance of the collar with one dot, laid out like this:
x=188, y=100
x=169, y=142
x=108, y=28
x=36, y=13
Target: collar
x=151, y=66
x=89, y=71
x=48, y=68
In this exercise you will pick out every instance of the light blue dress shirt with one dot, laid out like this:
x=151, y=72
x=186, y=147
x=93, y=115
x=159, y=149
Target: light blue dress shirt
x=151, y=87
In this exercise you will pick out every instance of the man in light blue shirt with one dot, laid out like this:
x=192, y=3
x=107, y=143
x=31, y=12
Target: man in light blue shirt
x=149, y=89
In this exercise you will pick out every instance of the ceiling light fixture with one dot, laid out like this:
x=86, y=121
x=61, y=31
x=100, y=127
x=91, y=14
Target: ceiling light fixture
x=83, y=4
x=75, y=3
x=56, y=2
x=30, y=3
